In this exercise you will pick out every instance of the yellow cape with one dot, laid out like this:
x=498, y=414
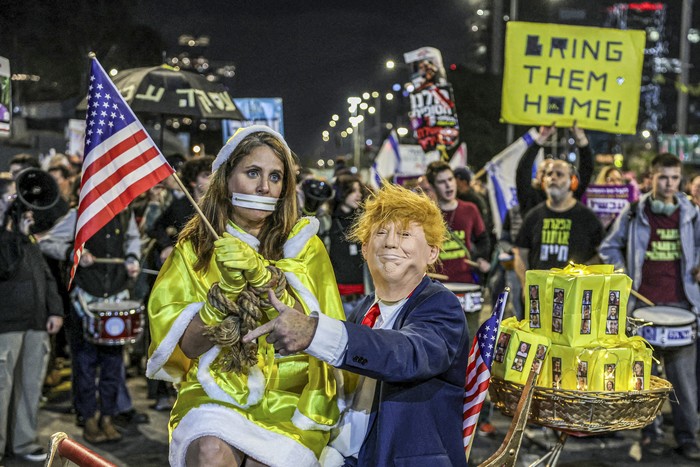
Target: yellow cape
x=282, y=411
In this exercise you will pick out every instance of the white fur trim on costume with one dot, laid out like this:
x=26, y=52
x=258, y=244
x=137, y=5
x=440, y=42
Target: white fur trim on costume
x=344, y=398
x=237, y=137
x=256, y=381
x=154, y=367
x=265, y=446
x=245, y=237
x=262, y=203
x=304, y=293
x=303, y=422
x=294, y=245
x=331, y=457
x=292, y=248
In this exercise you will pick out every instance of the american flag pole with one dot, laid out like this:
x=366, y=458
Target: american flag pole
x=479, y=370
x=121, y=160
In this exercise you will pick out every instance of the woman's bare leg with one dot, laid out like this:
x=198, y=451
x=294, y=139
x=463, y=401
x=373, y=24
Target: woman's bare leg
x=212, y=451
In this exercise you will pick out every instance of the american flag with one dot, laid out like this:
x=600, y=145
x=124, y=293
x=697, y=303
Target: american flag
x=479, y=370
x=121, y=160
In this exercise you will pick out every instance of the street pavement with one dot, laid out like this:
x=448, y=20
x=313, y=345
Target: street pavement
x=146, y=445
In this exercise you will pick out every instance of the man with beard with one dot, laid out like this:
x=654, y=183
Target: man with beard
x=559, y=230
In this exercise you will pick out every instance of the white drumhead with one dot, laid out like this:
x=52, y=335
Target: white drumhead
x=124, y=305
x=458, y=287
x=665, y=315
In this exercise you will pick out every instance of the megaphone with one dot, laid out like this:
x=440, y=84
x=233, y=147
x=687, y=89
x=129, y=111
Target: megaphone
x=36, y=189
x=316, y=192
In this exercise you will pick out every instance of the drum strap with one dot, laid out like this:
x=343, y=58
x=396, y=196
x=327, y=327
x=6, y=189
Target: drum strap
x=81, y=299
x=463, y=246
x=459, y=242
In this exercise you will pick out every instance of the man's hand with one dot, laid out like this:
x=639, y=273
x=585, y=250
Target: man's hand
x=26, y=222
x=289, y=333
x=579, y=136
x=54, y=324
x=86, y=259
x=545, y=133
x=484, y=266
x=133, y=267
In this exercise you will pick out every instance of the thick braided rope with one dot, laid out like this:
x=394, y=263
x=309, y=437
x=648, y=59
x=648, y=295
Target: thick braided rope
x=242, y=316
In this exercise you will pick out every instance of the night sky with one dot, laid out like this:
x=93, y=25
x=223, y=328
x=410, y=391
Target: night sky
x=313, y=54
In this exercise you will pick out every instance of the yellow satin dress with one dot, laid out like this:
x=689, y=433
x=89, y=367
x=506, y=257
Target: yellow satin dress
x=282, y=411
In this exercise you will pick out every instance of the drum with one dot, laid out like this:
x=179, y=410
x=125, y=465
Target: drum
x=113, y=323
x=469, y=295
x=671, y=327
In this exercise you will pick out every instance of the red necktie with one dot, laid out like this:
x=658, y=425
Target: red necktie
x=371, y=316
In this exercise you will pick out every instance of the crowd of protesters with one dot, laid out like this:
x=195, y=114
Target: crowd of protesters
x=121, y=262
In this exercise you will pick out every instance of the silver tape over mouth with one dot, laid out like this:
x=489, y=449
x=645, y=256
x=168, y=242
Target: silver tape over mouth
x=262, y=203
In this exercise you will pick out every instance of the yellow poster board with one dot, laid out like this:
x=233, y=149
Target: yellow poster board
x=558, y=73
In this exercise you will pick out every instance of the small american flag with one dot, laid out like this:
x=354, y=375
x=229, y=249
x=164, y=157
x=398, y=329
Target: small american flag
x=121, y=160
x=479, y=370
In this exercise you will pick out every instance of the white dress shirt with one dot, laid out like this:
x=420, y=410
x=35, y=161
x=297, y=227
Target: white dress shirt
x=330, y=345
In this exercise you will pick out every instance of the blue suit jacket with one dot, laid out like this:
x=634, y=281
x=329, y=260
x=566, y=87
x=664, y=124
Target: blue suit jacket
x=420, y=367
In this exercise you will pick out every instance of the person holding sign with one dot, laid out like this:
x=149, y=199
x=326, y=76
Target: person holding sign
x=657, y=241
x=244, y=404
x=559, y=230
x=531, y=190
x=610, y=176
x=408, y=340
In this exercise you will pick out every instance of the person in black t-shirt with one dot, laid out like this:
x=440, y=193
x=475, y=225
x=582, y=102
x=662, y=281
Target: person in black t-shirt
x=559, y=230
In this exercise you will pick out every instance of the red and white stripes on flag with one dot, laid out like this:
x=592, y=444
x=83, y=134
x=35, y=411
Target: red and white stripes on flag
x=121, y=160
x=479, y=371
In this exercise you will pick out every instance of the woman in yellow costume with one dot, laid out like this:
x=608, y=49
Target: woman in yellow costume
x=240, y=404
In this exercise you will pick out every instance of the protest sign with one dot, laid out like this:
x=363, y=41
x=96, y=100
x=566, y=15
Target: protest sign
x=607, y=201
x=433, y=113
x=5, y=98
x=561, y=74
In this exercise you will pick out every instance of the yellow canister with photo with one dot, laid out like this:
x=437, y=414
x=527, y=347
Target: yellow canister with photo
x=559, y=369
x=578, y=304
x=517, y=350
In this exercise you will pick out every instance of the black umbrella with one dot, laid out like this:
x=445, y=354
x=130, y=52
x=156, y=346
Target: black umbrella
x=165, y=90
x=169, y=91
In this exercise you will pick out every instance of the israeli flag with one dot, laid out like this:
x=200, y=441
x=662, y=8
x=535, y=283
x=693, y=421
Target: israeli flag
x=501, y=177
